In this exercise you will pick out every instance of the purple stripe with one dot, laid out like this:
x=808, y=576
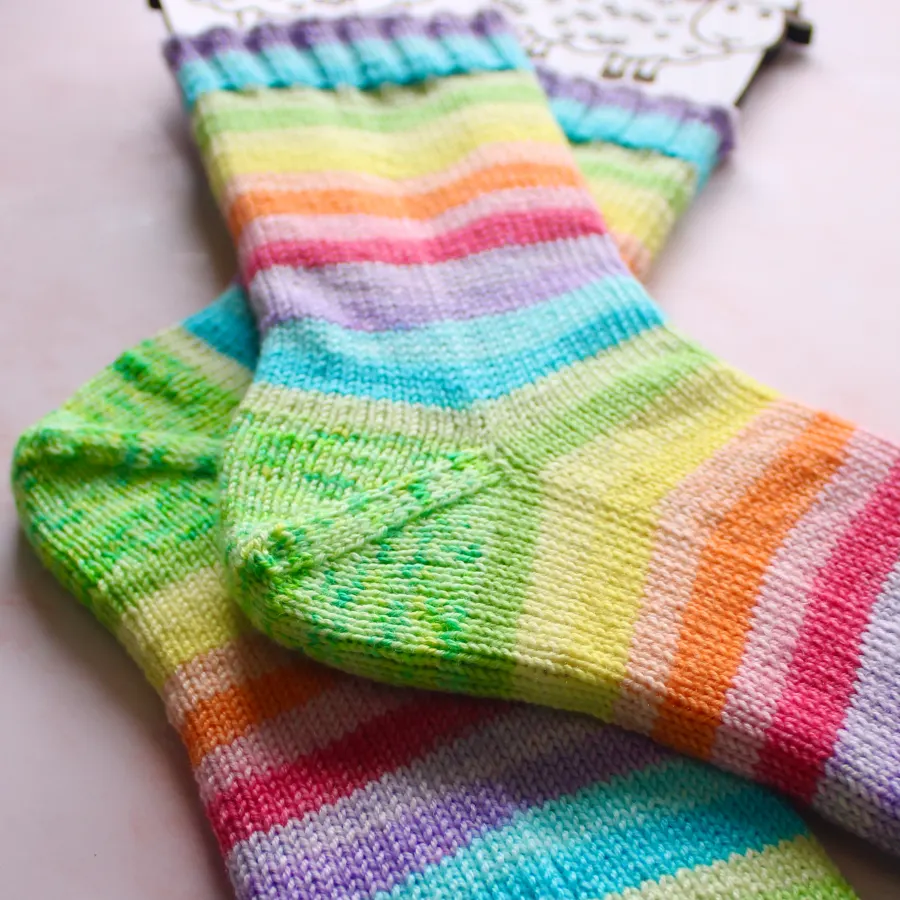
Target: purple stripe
x=581, y=754
x=218, y=40
x=306, y=34
x=864, y=770
x=593, y=95
x=382, y=297
x=488, y=23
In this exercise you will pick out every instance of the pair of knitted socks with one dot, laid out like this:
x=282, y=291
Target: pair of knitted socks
x=319, y=784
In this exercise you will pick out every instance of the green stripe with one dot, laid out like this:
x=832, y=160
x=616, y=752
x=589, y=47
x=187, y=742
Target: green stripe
x=824, y=888
x=673, y=179
x=272, y=110
x=150, y=388
x=114, y=535
x=613, y=405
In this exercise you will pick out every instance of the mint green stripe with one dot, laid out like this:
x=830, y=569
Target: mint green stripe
x=672, y=179
x=603, y=413
x=271, y=110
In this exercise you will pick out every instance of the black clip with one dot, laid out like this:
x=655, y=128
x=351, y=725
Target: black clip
x=798, y=31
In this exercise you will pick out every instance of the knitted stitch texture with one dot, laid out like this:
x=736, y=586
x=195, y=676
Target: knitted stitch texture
x=320, y=785
x=475, y=458
x=643, y=157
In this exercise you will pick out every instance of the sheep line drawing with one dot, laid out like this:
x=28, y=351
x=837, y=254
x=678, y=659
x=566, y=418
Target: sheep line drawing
x=637, y=38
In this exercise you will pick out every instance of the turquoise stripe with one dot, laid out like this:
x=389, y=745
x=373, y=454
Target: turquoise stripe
x=361, y=64
x=511, y=50
x=338, y=64
x=229, y=327
x=471, y=54
x=240, y=69
x=474, y=340
x=611, y=837
x=195, y=78
x=383, y=62
x=424, y=57
x=453, y=364
x=292, y=66
x=693, y=141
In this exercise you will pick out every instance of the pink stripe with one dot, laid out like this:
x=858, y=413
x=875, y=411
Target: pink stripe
x=486, y=234
x=275, y=743
x=299, y=227
x=823, y=670
x=781, y=604
x=376, y=747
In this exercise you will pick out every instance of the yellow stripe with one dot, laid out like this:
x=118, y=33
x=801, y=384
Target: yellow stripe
x=164, y=630
x=527, y=116
x=591, y=559
x=226, y=373
x=638, y=212
x=327, y=149
x=679, y=434
x=714, y=486
x=486, y=158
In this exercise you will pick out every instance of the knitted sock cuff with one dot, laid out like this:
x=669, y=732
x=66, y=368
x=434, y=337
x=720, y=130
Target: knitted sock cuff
x=365, y=52
x=698, y=133
x=356, y=51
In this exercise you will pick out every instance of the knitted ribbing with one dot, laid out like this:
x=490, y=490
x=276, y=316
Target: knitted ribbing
x=319, y=785
x=475, y=458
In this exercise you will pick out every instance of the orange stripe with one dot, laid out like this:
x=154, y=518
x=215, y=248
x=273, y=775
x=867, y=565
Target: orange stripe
x=729, y=576
x=240, y=660
x=634, y=254
x=226, y=716
x=254, y=204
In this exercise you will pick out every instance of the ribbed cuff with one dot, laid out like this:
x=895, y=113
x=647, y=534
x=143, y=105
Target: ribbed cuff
x=365, y=51
x=357, y=51
x=592, y=111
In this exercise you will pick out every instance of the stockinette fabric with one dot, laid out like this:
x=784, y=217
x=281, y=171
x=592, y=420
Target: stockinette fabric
x=321, y=785
x=475, y=457
x=643, y=157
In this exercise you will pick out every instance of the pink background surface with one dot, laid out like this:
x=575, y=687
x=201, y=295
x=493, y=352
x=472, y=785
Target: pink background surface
x=787, y=266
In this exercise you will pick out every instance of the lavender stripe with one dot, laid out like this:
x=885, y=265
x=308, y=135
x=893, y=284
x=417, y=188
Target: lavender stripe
x=861, y=786
x=307, y=34
x=466, y=788
x=594, y=94
x=383, y=297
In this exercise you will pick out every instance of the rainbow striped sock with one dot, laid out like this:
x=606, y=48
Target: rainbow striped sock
x=319, y=785
x=475, y=458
